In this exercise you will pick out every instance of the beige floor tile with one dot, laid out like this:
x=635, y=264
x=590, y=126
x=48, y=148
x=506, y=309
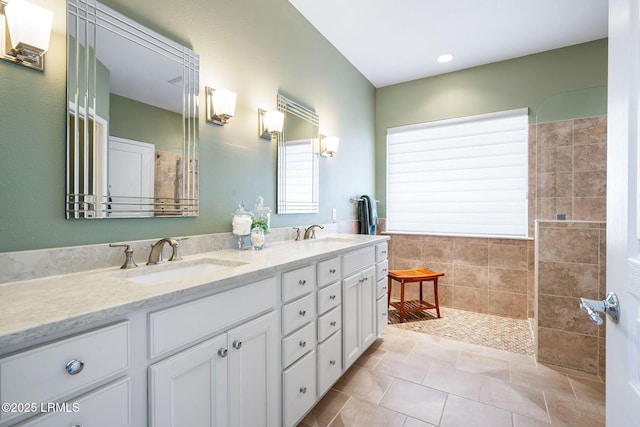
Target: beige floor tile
x=436, y=352
x=363, y=383
x=587, y=390
x=412, y=422
x=395, y=343
x=326, y=410
x=452, y=380
x=370, y=358
x=522, y=421
x=360, y=413
x=567, y=411
x=414, y=400
x=484, y=365
x=540, y=377
x=459, y=412
x=515, y=398
x=409, y=367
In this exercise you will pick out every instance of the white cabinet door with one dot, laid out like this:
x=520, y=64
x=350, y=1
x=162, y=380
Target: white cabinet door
x=359, y=314
x=369, y=307
x=254, y=367
x=190, y=388
x=351, y=309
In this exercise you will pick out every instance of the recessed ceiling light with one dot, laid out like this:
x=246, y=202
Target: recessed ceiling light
x=447, y=57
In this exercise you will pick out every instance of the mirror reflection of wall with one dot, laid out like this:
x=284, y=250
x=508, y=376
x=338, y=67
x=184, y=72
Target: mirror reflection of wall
x=297, y=159
x=132, y=118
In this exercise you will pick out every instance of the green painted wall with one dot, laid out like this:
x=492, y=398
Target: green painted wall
x=558, y=84
x=255, y=48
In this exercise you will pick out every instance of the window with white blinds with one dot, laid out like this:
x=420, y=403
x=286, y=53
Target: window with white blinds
x=465, y=176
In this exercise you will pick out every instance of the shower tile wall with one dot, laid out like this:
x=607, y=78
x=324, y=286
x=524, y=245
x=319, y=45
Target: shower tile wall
x=571, y=180
x=493, y=276
x=571, y=264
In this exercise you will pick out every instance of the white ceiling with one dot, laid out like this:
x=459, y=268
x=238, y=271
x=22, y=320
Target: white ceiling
x=393, y=42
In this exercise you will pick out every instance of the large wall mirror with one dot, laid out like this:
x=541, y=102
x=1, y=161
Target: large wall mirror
x=297, y=158
x=132, y=122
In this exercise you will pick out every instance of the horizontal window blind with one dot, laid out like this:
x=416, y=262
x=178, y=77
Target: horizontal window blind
x=465, y=176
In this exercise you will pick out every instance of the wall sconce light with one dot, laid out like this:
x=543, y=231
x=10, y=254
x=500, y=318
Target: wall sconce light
x=328, y=145
x=270, y=123
x=221, y=105
x=29, y=33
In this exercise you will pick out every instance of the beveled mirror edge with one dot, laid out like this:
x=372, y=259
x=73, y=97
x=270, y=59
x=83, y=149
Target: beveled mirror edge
x=288, y=105
x=84, y=205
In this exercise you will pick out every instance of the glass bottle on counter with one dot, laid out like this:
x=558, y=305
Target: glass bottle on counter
x=241, y=225
x=261, y=216
x=257, y=238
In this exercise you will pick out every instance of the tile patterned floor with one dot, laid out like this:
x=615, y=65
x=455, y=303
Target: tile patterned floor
x=502, y=333
x=412, y=379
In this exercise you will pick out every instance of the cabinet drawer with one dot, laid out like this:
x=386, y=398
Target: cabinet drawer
x=297, y=313
x=329, y=323
x=381, y=286
x=383, y=315
x=329, y=297
x=329, y=362
x=186, y=323
x=382, y=269
x=108, y=406
x=299, y=389
x=358, y=260
x=298, y=343
x=382, y=251
x=328, y=271
x=40, y=374
x=298, y=282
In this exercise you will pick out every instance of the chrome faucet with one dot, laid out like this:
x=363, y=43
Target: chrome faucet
x=310, y=232
x=155, y=256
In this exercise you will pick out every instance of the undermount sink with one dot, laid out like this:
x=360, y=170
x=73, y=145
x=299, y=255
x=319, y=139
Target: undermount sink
x=178, y=270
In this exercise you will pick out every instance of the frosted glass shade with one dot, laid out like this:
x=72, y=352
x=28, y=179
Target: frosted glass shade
x=274, y=120
x=224, y=102
x=29, y=25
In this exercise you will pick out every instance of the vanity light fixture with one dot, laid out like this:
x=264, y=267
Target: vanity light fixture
x=328, y=145
x=270, y=123
x=29, y=33
x=221, y=105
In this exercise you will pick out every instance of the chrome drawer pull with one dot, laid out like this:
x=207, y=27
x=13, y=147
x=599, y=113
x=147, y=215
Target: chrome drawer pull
x=303, y=344
x=237, y=344
x=302, y=282
x=303, y=390
x=333, y=323
x=332, y=297
x=223, y=352
x=332, y=362
x=303, y=312
x=332, y=270
x=74, y=367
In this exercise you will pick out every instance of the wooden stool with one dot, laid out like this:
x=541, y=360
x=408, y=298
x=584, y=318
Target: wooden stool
x=416, y=275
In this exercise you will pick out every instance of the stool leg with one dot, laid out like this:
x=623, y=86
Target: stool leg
x=401, y=301
x=435, y=295
x=421, y=290
x=388, y=293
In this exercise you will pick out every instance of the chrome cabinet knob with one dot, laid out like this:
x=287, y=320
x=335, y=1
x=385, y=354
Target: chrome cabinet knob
x=332, y=297
x=223, y=352
x=302, y=282
x=74, y=367
x=332, y=362
x=237, y=344
x=333, y=323
x=303, y=390
x=302, y=312
x=303, y=344
x=332, y=270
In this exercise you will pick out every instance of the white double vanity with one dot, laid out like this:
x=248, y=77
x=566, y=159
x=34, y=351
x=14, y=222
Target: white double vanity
x=224, y=338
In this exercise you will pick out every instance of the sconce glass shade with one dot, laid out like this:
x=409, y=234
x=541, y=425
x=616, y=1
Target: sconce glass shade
x=329, y=146
x=270, y=123
x=29, y=25
x=221, y=105
x=25, y=30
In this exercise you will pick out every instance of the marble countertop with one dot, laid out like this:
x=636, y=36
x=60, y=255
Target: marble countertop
x=33, y=309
